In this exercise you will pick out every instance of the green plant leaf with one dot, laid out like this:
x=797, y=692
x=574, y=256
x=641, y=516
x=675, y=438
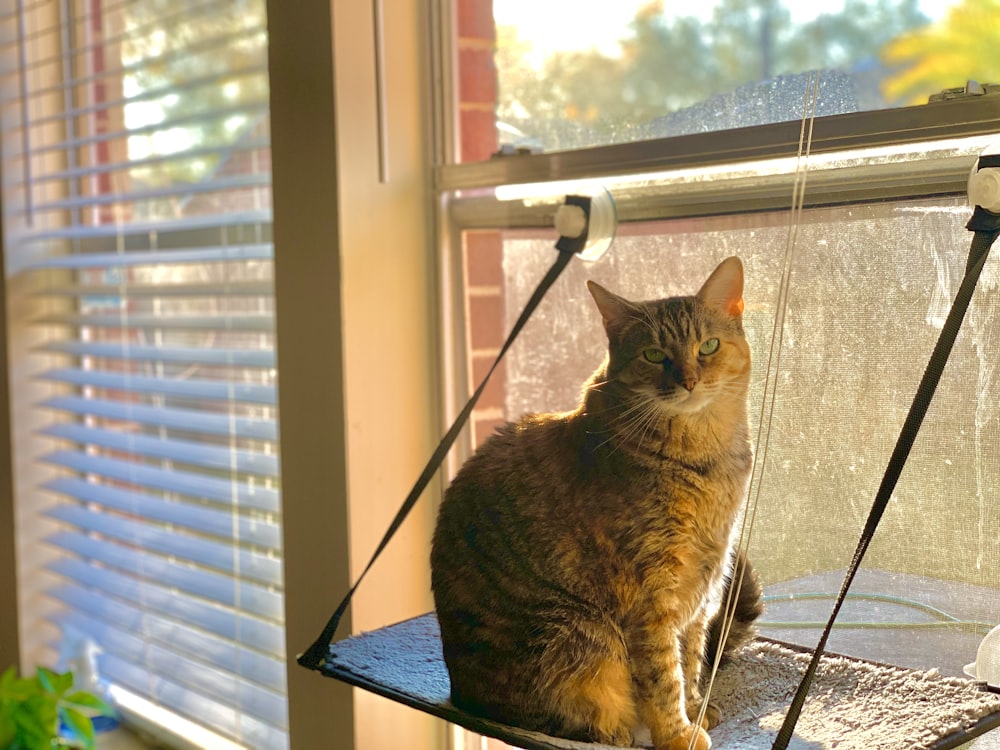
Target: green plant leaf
x=18, y=689
x=54, y=683
x=46, y=678
x=36, y=722
x=83, y=699
x=79, y=726
x=8, y=729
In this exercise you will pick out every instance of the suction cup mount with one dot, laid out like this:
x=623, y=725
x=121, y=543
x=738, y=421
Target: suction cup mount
x=586, y=223
x=984, y=190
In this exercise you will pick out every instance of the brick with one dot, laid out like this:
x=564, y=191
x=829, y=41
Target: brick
x=484, y=258
x=486, y=321
x=475, y=19
x=484, y=428
x=479, y=134
x=495, y=395
x=477, y=76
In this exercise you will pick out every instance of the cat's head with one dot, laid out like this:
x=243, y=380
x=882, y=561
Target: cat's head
x=681, y=353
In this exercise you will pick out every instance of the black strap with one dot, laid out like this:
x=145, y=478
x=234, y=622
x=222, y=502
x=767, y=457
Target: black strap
x=315, y=655
x=986, y=227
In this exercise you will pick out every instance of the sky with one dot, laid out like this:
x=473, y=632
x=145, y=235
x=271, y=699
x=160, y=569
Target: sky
x=558, y=25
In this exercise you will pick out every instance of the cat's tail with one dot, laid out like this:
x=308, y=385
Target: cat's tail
x=749, y=606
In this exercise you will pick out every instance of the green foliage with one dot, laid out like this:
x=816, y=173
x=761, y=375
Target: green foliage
x=669, y=62
x=929, y=59
x=31, y=710
x=196, y=85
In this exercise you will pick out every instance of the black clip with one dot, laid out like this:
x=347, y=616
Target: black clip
x=576, y=244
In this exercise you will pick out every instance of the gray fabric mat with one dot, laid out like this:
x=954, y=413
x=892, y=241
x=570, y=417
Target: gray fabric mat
x=853, y=704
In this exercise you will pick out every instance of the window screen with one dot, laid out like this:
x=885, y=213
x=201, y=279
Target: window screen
x=871, y=282
x=870, y=287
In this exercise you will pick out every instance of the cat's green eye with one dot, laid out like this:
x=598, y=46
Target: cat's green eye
x=654, y=355
x=711, y=346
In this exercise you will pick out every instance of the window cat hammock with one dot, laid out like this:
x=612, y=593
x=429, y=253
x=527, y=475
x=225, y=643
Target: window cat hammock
x=865, y=704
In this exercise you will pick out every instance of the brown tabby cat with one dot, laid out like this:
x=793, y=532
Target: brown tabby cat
x=576, y=554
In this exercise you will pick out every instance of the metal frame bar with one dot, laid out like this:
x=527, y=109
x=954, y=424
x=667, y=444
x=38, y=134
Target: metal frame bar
x=927, y=122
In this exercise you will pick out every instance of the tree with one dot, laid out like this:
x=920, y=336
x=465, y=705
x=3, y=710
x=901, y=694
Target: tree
x=216, y=54
x=669, y=63
x=966, y=45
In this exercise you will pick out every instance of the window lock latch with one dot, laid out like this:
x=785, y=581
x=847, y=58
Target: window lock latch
x=970, y=90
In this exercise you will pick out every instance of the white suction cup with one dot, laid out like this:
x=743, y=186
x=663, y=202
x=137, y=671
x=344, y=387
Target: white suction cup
x=986, y=668
x=984, y=180
x=586, y=223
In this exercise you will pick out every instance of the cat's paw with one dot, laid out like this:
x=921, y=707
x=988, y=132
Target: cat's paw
x=713, y=716
x=683, y=740
x=621, y=737
x=711, y=719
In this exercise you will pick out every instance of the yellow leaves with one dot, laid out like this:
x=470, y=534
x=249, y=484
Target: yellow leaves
x=589, y=113
x=964, y=46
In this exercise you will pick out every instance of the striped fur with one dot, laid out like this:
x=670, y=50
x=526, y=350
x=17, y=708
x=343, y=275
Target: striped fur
x=576, y=555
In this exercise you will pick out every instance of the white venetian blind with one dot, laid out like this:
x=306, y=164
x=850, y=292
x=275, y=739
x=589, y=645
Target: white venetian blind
x=137, y=209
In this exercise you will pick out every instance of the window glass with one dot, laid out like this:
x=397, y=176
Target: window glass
x=576, y=74
x=137, y=195
x=870, y=286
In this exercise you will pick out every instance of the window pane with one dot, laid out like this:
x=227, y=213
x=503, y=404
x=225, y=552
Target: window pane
x=139, y=266
x=568, y=75
x=870, y=286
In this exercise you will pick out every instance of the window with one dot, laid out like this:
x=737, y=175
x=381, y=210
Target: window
x=137, y=216
x=878, y=251
x=572, y=75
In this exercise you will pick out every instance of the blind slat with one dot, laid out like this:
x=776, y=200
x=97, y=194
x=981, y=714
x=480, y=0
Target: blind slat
x=238, y=322
x=236, y=527
x=188, y=420
x=206, y=43
x=209, y=681
x=165, y=692
x=197, y=454
x=188, y=355
x=157, y=160
x=241, y=595
x=225, y=622
x=252, y=111
x=221, y=653
x=259, y=251
x=188, y=86
x=217, y=185
x=191, y=388
x=230, y=289
x=246, y=219
x=223, y=491
x=168, y=541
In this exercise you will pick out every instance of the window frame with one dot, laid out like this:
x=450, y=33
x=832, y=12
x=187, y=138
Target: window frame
x=470, y=201
x=319, y=51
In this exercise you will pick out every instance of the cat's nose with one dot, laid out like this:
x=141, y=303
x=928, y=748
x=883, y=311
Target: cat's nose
x=687, y=377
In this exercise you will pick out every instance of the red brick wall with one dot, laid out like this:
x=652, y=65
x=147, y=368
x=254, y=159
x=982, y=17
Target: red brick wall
x=482, y=251
x=477, y=79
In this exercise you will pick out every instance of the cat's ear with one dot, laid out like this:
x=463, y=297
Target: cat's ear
x=611, y=305
x=724, y=289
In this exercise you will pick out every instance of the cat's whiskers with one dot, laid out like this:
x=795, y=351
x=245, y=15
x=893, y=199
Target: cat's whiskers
x=625, y=421
x=596, y=385
x=642, y=418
